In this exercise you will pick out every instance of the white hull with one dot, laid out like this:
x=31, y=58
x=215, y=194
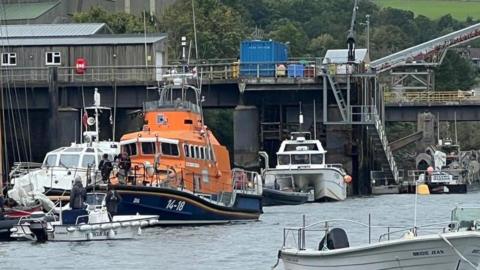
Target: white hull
x=421, y=253
x=327, y=183
x=61, y=233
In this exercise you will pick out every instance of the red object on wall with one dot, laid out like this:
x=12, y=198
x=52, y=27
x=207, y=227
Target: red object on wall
x=80, y=65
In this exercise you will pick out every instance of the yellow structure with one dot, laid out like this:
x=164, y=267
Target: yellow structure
x=422, y=189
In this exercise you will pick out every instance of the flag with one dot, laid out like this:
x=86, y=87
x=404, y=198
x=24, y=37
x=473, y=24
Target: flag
x=85, y=120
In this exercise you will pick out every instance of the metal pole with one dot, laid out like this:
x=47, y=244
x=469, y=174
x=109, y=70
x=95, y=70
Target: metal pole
x=368, y=35
x=455, y=123
x=314, y=120
x=369, y=228
x=303, y=232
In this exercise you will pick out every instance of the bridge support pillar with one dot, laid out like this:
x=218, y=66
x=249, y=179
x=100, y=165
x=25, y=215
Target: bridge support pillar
x=246, y=136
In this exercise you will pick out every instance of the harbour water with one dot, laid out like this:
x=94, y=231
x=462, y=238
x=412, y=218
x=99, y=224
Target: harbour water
x=251, y=245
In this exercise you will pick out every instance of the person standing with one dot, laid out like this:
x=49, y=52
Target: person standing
x=112, y=200
x=124, y=165
x=105, y=167
x=78, y=194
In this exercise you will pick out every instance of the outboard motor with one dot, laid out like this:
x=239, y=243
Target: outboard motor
x=336, y=238
x=39, y=229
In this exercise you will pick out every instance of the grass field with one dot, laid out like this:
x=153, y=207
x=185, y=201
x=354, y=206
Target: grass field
x=459, y=9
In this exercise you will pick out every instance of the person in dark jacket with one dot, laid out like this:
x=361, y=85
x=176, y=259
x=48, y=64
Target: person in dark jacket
x=105, y=166
x=78, y=194
x=111, y=200
x=124, y=165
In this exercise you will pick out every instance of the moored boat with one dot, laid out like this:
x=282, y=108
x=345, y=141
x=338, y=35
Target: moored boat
x=179, y=169
x=442, y=251
x=61, y=166
x=301, y=168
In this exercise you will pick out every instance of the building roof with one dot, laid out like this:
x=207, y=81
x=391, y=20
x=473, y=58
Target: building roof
x=341, y=56
x=26, y=11
x=474, y=53
x=51, y=30
x=109, y=39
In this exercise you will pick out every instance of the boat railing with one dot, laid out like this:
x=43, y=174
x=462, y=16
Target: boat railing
x=20, y=169
x=298, y=234
x=246, y=181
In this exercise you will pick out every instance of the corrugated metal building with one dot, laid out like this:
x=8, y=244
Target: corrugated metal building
x=31, y=49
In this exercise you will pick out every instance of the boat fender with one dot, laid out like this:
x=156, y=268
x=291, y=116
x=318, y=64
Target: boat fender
x=96, y=227
x=85, y=227
x=116, y=225
x=126, y=224
x=13, y=230
x=336, y=238
x=71, y=229
x=347, y=179
x=144, y=223
x=136, y=223
x=111, y=234
x=139, y=231
x=153, y=222
x=89, y=236
x=106, y=226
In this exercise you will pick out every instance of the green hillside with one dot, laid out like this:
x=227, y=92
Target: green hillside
x=459, y=9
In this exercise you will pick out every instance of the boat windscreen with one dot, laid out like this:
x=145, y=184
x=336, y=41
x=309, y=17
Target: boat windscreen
x=283, y=159
x=95, y=198
x=50, y=161
x=88, y=160
x=465, y=214
x=306, y=146
x=69, y=160
x=317, y=158
x=301, y=159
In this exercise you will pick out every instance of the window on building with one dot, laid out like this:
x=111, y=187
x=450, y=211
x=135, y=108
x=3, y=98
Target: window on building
x=169, y=149
x=202, y=152
x=9, y=59
x=148, y=148
x=52, y=58
x=192, y=152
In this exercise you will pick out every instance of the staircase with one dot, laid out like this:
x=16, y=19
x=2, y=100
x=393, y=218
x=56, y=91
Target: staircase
x=386, y=180
x=337, y=93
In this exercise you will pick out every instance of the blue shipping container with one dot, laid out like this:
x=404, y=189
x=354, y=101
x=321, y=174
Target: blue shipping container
x=259, y=57
x=295, y=70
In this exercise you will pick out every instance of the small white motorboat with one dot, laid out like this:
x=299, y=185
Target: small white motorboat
x=93, y=223
x=451, y=249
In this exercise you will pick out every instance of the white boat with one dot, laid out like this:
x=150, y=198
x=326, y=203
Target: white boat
x=448, y=250
x=301, y=167
x=92, y=224
x=60, y=166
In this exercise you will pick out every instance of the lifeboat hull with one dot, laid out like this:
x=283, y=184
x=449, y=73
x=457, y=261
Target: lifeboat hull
x=176, y=207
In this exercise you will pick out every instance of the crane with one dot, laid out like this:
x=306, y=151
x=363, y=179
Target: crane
x=351, y=34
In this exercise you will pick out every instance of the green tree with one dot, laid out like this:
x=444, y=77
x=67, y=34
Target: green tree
x=455, y=73
x=291, y=33
x=388, y=39
x=119, y=22
x=219, y=28
x=320, y=44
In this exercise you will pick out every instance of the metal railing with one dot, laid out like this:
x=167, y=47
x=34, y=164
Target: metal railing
x=298, y=234
x=207, y=70
x=431, y=97
x=386, y=148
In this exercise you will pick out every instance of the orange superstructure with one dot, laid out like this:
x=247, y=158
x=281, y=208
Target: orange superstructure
x=176, y=149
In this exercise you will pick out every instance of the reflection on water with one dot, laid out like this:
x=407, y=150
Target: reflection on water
x=251, y=245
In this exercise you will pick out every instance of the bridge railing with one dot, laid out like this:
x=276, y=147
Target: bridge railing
x=431, y=97
x=91, y=74
x=221, y=69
